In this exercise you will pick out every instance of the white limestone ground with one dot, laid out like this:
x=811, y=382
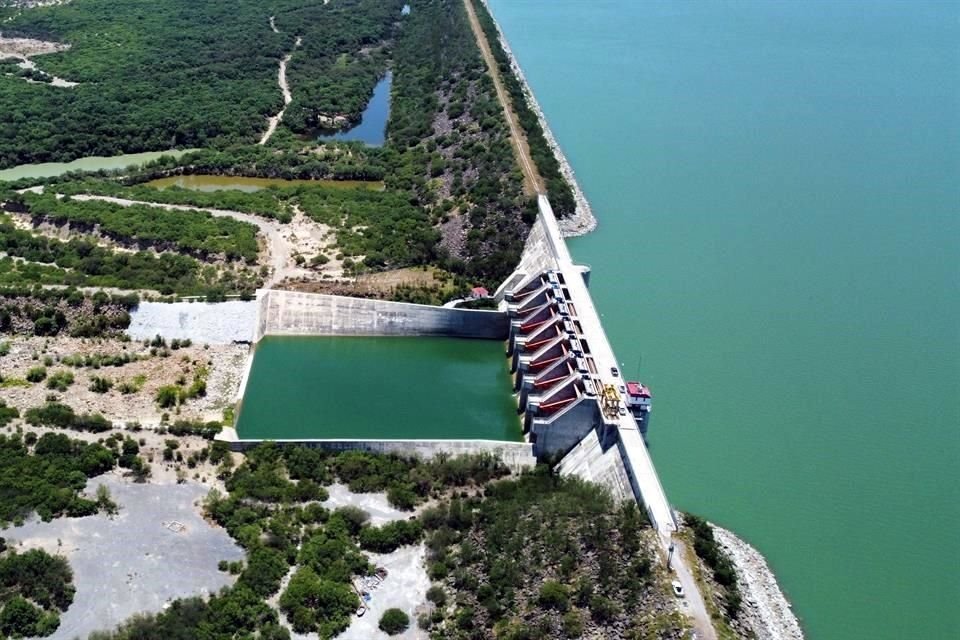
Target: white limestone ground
x=764, y=605
x=132, y=563
x=201, y=322
x=582, y=221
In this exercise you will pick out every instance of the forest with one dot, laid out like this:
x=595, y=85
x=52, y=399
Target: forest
x=33, y=259
x=195, y=233
x=151, y=76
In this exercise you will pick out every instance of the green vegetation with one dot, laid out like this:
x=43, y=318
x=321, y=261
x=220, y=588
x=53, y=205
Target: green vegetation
x=7, y=414
x=195, y=232
x=586, y=558
x=713, y=556
x=394, y=621
x=158, y=78
x=40, y=311
x=56, y=414
x=34, y=588
x=60, y=381
x=47, y=479
x=558, y=189
x=455, y=153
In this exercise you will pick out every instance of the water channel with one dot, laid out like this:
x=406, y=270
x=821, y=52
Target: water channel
x=372, y=128
x=381, y=387
x=209, y=183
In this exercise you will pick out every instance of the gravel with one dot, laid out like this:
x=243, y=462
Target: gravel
x=201, y=322
x=132, y=563
x=764, y=605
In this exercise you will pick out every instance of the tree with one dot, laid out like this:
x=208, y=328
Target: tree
x=554, y=595
x=394, y=621
x=19, y=618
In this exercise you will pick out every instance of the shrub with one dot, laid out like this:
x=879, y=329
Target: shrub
x=60, y=381
x=394, y=621
x=100, y=385
x=36, y=374
x=554, y=595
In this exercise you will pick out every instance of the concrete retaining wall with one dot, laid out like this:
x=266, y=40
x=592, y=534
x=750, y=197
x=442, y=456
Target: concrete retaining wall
x=315, y=314
x=516, y=455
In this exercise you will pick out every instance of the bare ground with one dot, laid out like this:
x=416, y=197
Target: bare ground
x=224, y=365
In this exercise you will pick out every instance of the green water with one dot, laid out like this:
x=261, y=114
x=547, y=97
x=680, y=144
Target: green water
x=91, y=163
x=382, y=388
x=778, y=189
x=209, y=183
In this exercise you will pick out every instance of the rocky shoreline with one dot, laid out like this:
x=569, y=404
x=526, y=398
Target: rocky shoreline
x=582, y=221
x=764, y=607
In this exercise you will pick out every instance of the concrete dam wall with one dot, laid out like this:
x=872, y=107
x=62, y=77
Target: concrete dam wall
x=291, y=313
x=518, y=456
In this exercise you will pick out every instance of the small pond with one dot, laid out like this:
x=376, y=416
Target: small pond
x=372, y=128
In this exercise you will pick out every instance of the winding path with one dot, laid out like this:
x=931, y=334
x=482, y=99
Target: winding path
x=278, y=248
x=274, y=121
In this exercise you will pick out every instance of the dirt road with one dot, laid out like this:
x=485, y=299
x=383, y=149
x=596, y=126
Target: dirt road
x=532, y=182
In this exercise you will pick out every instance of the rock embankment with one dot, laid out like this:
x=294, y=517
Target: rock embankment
x=764, y=607
x=583, y=220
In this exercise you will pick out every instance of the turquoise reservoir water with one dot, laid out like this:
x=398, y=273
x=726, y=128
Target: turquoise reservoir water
x=372, y=128
x=380, y=388
x=778, y=188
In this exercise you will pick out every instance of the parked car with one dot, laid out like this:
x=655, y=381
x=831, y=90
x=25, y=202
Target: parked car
x=677, y=588
x=614, y=372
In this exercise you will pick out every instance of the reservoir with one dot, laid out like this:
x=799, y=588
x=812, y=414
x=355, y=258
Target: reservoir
x=372, y=128
x=90, y=163
x=209, y=183
x=778, y=199
x=379, y=388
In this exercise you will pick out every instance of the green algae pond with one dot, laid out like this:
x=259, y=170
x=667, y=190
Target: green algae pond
x=91, y=163
x=381, y=388
x=209, y=183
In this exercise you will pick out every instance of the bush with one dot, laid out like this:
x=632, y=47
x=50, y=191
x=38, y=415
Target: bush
x=60, y=381
x=394, y=621
x=437, y=595
x=100, y=385
x=36, y=374
x=554, y=595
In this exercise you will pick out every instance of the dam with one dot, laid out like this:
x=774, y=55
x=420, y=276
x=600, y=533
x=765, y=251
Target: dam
x=332, y=387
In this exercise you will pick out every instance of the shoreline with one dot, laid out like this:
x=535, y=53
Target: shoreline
x=582, y=221
x=765, y=607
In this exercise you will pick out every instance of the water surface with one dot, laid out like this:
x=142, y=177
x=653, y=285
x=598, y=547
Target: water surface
x=372, y=128
x=381, y=388
x=778, y=189
x=90, y=163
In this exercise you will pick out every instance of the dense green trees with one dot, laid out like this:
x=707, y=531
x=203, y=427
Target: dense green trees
x=48, y=479
x=455, y=152
x=585, y=556
x=193, y=232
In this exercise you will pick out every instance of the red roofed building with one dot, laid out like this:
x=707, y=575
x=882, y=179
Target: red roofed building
x=479, y=292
